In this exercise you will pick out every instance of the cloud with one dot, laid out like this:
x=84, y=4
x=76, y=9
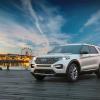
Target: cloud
x=45, y=28
x=14, y=35
x=94, y=20
x=93, y=26
x=27, y=5
x=49, y=22
x=53, y=29
x=92, y=39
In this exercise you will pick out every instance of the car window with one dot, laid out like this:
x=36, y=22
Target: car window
x=73, y=49
x=99, y=49
x=93, y=50
x=85, y=48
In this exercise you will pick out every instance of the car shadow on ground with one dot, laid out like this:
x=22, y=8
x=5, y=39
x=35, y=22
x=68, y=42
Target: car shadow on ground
x=85, y=77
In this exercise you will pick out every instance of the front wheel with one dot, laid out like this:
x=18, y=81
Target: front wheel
x=72, y=72
x=98, y=72
x=39, y=77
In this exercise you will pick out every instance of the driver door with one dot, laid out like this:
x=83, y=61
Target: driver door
x=85, y=58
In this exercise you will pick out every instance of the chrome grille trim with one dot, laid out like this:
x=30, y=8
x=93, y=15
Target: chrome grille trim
x=43, y=65
x=49, y=60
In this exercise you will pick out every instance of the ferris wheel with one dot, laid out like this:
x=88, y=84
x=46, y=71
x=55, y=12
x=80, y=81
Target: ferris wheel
x=26, y=51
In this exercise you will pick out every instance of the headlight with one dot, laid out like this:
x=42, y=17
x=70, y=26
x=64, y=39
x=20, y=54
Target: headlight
x=34, y=58
x=58, y=66
x=65, y=58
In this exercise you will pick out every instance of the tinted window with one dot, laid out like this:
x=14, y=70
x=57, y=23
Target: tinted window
x=85, y=48
x=93, y=50
x=74, y=49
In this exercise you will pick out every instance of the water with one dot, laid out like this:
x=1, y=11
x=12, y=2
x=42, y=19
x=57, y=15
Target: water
x=21, y=85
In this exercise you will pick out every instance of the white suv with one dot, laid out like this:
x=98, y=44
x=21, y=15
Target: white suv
x=70, y=60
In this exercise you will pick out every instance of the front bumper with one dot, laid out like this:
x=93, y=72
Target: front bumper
x=46, y=72
x=50, y=69
x=43, y=72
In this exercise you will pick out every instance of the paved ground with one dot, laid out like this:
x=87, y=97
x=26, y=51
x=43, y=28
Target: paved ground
x=20, y=85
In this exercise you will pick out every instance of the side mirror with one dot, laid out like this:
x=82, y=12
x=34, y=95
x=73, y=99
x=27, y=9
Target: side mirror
x=83, y=52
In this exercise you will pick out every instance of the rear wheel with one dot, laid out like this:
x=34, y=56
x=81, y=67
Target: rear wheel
x=98, y=72
x=39, y=77
x=72, y=72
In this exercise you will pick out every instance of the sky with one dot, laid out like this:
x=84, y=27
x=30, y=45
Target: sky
x=43, y=24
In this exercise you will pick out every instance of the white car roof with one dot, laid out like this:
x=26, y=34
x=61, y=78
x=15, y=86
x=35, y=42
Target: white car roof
x=80, y=44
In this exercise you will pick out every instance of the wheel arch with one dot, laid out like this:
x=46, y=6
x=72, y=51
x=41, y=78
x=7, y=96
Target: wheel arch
x=76, y=62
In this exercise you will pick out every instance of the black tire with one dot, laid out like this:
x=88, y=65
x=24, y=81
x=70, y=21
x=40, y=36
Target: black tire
x=98, y=72
x=72, y=72
x=39, y=77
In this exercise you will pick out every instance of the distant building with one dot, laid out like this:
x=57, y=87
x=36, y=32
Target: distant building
x=15, y=60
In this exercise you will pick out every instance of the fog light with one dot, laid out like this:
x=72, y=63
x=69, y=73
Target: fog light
x=32, y=65
x=58, y=66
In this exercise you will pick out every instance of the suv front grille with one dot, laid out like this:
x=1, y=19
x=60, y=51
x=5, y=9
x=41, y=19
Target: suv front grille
x=46, y=60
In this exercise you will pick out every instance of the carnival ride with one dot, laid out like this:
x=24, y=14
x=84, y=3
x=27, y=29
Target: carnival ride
x=17, y=60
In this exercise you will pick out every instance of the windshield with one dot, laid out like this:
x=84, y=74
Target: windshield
x=74, y=49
